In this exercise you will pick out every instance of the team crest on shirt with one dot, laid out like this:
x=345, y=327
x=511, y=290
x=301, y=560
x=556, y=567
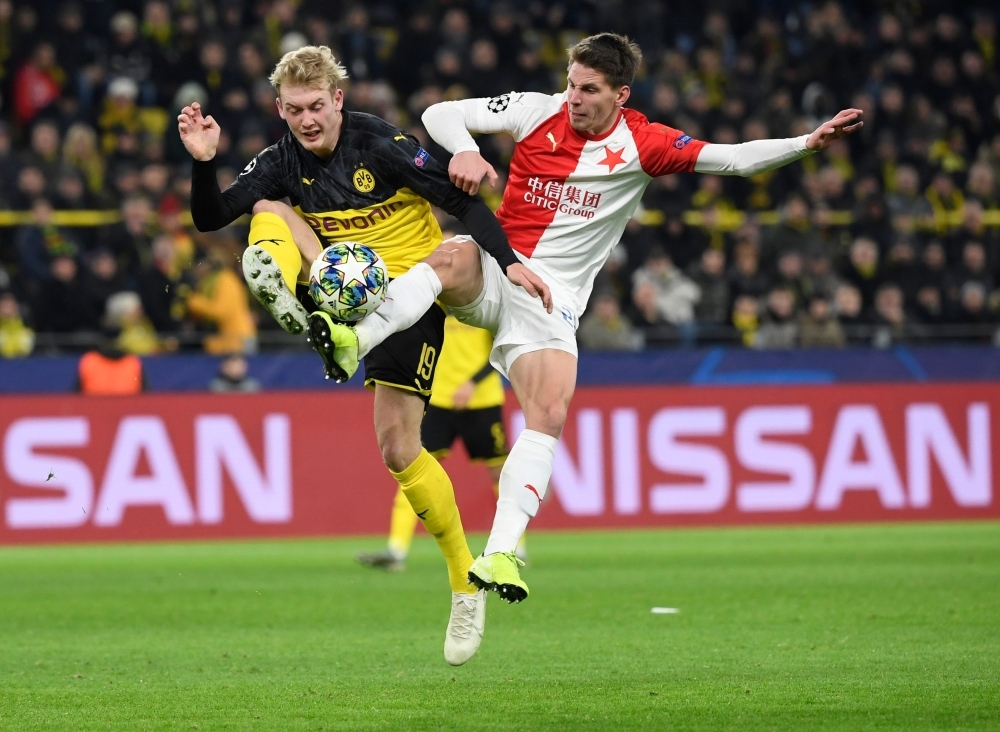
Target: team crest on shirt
x=498, y=104
x=681, y=142
x=364, y=181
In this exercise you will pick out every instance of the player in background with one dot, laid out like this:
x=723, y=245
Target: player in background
x=466, y=402
x=353, y=176
x=581, y=163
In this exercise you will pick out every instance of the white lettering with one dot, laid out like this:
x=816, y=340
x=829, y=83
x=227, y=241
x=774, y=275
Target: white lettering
x=579, y=487
x=841, y=473
x=49, y=472
x=122, y=487
x=704, y=461
x=756, y=453
x=627, y=485
x=927, y=433
x=220, y=444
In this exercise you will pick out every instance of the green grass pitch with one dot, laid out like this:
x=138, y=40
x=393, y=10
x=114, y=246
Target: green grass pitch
x=846, y=628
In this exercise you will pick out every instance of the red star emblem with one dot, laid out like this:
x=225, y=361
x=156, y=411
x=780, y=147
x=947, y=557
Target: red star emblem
x=612, y=158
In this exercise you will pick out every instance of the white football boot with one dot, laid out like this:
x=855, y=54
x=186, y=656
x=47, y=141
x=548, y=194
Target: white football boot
x=268, y=285
x=465, y=627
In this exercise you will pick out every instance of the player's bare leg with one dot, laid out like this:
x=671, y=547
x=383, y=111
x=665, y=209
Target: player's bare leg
x=452, y=273
x=544, y=382
x=281, y=249
x=398, y=414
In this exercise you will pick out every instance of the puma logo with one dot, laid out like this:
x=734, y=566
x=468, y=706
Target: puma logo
x=397, y=138
x=308, y=181
x=423, y=514
x=552, y=139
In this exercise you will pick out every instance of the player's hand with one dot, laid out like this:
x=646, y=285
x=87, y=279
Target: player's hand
x=463, y=395
x=199, y=134
x=467, y=170
x=846, y=122
x=535, y=285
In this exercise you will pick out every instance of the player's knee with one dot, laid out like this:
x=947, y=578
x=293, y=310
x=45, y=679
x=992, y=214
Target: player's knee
x=399, y=448
x=451, y=262
x=275, y=207
x=548, y=417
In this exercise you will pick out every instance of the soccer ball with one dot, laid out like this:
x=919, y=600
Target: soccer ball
x=349, y=280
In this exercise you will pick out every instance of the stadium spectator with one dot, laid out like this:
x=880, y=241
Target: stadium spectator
x=676, y=294
x=745, y=276
x=220, y=300
x=779, y=327
x=16, y=339
x=862, y=268
x=849, y=308
x=108, y=371
x=818, y=328
x=130, y=239
x=60, y=305
x=604, y=328
x=746, y=318
x=645, y=314
x=891, y=323
x=101, y=279
x=233, y=377
x=37, y=83
x=709, y=274
x=124, y=315
x=40, y=242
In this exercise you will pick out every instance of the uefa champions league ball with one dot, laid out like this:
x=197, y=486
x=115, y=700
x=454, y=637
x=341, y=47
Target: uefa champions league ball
x=348, y=281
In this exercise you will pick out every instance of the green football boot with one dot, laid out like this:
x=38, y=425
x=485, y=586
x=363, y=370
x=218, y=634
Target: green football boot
x=498, y=572
x=337, y=345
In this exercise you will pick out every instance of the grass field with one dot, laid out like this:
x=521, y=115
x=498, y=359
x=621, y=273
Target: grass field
x=877, y=627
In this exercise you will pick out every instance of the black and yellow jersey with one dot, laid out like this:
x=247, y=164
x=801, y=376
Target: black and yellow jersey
x=377, y=188
x=464, y=357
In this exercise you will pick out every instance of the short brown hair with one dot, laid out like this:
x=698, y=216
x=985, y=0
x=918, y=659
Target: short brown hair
x=615, y=56
x=313, y=67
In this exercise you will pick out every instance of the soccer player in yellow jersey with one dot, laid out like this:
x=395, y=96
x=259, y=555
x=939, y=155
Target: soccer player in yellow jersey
x=351, y=176
x=466, y=401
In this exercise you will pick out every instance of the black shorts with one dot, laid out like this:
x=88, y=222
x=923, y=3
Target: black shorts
x=407, y=359
x=481, y=431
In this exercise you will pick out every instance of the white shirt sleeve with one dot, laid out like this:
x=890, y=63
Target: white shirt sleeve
x=450, y=123
x=750, y=158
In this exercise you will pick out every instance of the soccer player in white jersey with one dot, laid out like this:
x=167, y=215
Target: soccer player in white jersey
x=581, y=163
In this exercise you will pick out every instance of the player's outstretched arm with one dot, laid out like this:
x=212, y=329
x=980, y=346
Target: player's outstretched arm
x=211, y=208
x=758, y=156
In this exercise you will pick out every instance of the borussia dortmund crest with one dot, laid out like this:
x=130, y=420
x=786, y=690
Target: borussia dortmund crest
x=363, y=180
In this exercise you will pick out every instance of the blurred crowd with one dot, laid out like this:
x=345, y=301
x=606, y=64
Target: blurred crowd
x=892, y=235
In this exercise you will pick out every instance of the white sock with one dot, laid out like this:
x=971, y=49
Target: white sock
x=409, y=296
x=529, y=464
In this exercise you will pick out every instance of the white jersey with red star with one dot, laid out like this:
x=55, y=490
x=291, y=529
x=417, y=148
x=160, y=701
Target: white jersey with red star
x=570, y=195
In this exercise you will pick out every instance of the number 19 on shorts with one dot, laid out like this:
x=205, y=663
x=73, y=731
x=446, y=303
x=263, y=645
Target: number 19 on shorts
x=425, y=369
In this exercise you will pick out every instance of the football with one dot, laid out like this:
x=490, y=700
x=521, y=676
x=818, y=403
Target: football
x=349, y=280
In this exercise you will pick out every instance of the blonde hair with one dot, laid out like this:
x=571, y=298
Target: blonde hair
x=313, y=67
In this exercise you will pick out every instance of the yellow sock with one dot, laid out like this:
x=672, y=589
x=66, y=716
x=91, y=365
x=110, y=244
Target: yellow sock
x=428, y=489
x=402, y=526
x=270, y=232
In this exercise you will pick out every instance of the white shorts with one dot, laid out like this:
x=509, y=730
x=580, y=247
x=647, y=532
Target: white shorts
x=519, y=322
